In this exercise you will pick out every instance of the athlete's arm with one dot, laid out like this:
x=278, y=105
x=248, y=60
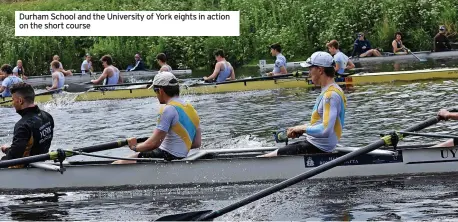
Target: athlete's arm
x=350, y=64
x=395, y=46
x=55, y=80
x=331, y=105
x=283, y=71
x=197, y=142
x=215, y=72
x=153, y=142
x=447, y=115
x=101, y=77
x=3, y=87
x=20, y=139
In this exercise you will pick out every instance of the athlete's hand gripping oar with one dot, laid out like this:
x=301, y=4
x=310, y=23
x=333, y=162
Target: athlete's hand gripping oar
x=56, y=155
x=38, y=94
x=209, y=214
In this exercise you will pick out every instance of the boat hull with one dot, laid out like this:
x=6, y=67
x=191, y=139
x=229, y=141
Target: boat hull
x=79, y=78
x=248, y=85
x=370, y=60
x=223, y=170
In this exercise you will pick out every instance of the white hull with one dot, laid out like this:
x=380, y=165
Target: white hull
x=407, y=58
x=227, y=169
x=79, y=78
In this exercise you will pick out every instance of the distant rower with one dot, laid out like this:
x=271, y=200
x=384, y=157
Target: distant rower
x=327, y=120
x=65, y=72
x=139, y=65
x=280, y=61
x=223, y=69
x=19, y=70
x=162, y=61
x=398, y=47
x=33, y=133
x=362, y=47
x=10, y=79
x=441, y=42
x=111, y=75
x=341, y=60
x=58, y=78
x=178, y=125
x=86, y=66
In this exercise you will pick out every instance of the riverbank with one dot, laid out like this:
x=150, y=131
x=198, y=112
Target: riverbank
x=300, y=28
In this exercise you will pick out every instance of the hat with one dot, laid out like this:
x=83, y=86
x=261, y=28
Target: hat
x=322, y=59
x=165, y=79
x=442, y=27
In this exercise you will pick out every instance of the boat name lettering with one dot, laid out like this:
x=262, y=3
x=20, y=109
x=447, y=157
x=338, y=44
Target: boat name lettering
x=445, y=153
x=347, y=162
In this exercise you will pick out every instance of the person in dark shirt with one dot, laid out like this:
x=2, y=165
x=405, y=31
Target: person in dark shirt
x=441, y=42
x=362, y=47
x=33, y=133
x=139, y=65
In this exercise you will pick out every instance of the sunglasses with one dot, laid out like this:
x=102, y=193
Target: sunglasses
x=156, y=89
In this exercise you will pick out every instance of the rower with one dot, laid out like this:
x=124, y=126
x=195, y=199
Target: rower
x=441, y=42
x=139, y=65
x=398, y=47
x=223, y=69
x=362, y=47
x=10, y=79
x=445, y=114
x=33, y=133
x=162, y=61
x=58, y=78
x=327, y=120
x=111, y=75
x=341, y=60
x=178, y=127
x=280, y=61
x=19, y=70
x=65, y=72
x=86, y=66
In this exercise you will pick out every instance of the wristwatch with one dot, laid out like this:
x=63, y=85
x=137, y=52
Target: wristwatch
x=134, y=148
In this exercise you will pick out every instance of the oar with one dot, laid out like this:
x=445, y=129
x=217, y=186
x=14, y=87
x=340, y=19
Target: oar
x=38, y=94
x=79, y=87
x=54, y=155
x=421, y=60
x=206, y=215
x=85, y=86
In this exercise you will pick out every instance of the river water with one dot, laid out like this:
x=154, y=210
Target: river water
x=236, y=120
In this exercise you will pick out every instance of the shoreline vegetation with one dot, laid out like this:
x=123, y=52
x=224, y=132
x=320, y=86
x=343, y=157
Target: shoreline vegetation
x=301, y=26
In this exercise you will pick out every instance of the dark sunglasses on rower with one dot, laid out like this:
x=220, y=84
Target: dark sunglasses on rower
x=156, y=89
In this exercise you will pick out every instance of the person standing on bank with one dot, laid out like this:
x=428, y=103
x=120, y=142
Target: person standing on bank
x=33, y=133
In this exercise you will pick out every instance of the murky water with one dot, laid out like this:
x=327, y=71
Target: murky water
x=246, y=120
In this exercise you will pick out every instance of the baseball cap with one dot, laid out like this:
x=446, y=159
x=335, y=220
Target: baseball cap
x=442, y=27
x=165, y=79
x=322, y=59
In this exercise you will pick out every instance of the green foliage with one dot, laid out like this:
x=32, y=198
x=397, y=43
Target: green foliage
x=301, y=26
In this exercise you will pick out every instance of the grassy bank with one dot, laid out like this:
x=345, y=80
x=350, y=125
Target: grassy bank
x=301, y=26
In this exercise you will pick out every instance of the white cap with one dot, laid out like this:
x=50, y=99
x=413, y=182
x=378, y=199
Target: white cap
x=165, y=79
x=322, y=59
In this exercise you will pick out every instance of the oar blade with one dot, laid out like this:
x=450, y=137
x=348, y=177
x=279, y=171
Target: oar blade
x=82, y=87
x=189, y=216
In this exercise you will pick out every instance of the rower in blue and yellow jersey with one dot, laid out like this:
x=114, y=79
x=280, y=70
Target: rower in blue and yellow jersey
x=178, y=125
x=162, y=61
x=280, y=61
x=110, y=76
x=327, y=121
x=9, y=80
x=58, y=78
x=223, y=69
x=342, y=62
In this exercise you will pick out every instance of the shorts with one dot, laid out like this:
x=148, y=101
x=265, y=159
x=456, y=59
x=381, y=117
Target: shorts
x=301, y=147
x=158, y=153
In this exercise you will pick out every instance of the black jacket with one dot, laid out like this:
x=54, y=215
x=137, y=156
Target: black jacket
x=33, y=134
x=139, y=66
x=441, y=43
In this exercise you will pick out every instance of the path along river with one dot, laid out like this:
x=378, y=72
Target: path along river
x=246, y=120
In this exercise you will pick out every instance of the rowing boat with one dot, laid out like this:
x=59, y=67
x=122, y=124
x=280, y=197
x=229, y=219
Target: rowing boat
x=388, y=57
x=261, y=83
x=222, y=166
x=80, y=78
